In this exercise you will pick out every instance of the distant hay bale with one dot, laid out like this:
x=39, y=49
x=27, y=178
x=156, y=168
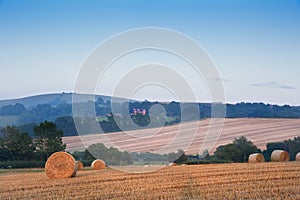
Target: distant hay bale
x=297, y=157
x=172, y=164
x=60, y=165
x=79, y=165
x=98, y=164
x=280, y=156
x=256, y=158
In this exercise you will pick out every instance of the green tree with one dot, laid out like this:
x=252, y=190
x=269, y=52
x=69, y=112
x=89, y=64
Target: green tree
x=17, y=146
x=67, y=125
x=238, y=151
x=98, y=150
x=141, y=120
x=111, y=155
x=10, y=110
x=127, y=159
x=178, y=157
x=246, y=147
x=48, y=139
x=181, y=157
x=88, y=156
x=228, y=152
x=291, y=146
x=271, y=146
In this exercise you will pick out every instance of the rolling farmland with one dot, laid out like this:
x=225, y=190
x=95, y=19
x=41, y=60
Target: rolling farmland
x=213, y=181
x=259, y=131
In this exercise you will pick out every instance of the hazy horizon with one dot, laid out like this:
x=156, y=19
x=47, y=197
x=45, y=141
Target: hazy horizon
x=151, y=100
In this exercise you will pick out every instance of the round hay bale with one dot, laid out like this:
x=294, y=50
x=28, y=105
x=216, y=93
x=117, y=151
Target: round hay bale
x=172, y=164
x=297, y=157
x=256, y=158
x=79, y=165
x=280, y=156
x=60, y=165
x=98, y=164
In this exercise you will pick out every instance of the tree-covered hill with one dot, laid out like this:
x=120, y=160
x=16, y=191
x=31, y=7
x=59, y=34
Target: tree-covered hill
x=51, y=99
x=27, y=112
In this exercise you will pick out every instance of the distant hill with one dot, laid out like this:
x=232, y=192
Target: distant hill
x=51, y=99
x=29, y=111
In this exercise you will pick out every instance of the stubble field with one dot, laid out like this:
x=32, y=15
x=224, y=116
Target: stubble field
x=212, y=181
x=164, y=140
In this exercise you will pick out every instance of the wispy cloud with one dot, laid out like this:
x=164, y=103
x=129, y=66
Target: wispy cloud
x=221, y=79
x=273, y=85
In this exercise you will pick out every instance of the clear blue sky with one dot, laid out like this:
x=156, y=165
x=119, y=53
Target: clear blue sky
x=255, y=44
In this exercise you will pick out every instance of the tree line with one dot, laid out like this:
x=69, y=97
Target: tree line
x=240, y=149
x=16, y=146
x=88, y=125
x=113, y=156
x=18, y=114
x=22, y=150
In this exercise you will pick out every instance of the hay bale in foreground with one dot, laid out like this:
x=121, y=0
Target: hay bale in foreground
x=172, y=164
x=60, y=165
x=280, y=156
x=297, y=157
x=256, y=158
x=79, y=165
x=98, y=164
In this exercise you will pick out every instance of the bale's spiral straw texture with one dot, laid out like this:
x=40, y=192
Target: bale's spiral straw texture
x=256, y=158
x=280, y=156
x=60, y=165
x=98, y=164
x=297, y=157
x=172, y=164
x=79, y=165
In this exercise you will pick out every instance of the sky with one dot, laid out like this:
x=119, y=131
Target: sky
x=254, y=44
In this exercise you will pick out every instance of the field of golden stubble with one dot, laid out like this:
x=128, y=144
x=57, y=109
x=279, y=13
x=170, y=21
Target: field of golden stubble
x=212, y=181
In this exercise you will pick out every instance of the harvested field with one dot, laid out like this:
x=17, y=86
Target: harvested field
x=259, y=131
x=213, y=181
